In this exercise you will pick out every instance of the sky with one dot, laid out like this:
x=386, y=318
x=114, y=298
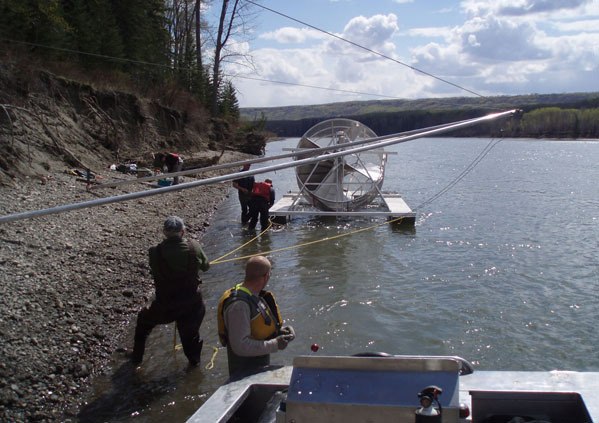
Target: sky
x=414, y=49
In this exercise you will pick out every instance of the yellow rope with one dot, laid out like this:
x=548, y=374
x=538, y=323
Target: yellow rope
x=175, y=345
x=210, y=364
x=218, y=261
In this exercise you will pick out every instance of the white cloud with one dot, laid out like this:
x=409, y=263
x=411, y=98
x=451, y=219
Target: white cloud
x=521, y=7
x=506, y=56
x=289, y=35
x=527, y=7
x=430, y=32
x=447, y=61
x=374, y=32
x=500, y=39
x=497, y=50
x=333, y=64
x=575, y=52
x=589, y=25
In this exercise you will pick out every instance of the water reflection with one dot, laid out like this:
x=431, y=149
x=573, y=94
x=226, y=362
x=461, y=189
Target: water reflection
x=261, y=245
x=131, y=391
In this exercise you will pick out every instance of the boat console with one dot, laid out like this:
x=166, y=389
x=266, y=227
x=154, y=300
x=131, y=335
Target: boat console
x=368, y=389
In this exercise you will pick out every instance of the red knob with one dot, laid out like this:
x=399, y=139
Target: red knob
x=314, y=347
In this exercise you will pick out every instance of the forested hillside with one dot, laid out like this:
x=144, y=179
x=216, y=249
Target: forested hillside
x=126, y=76
x=138, y=45
x=574, y=115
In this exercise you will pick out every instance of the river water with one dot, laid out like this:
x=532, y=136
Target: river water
x=502, y=269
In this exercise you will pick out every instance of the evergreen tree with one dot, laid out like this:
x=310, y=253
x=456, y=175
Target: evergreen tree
x=142, y=26
x=34, y=21
x=228, y=103
x=201, y=85
x=94, y=31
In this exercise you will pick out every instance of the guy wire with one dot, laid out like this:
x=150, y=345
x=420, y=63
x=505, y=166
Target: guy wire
x=463, y=174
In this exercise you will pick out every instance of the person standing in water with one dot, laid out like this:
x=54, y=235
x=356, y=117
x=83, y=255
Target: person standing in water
x=249, y=322
x=244, y=191
x=175, y=264
x=263, y=197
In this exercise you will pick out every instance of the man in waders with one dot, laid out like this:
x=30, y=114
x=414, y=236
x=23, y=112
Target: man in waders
x=175, y=264
x=244, y=191
x=263, y=197
x=249, y=322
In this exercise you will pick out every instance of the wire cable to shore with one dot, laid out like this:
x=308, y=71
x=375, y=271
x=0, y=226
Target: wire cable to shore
x=463, y=174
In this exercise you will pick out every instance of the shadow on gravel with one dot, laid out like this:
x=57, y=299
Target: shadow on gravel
x=129, y=395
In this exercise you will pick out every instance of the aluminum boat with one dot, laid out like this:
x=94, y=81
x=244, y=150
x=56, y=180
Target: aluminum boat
x=385, y=388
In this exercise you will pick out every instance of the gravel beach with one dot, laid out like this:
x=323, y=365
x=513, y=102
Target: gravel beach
x=71, y=283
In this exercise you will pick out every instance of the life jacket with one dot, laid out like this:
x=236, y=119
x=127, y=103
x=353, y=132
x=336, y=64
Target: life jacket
x=265, y=320
x=262, y=189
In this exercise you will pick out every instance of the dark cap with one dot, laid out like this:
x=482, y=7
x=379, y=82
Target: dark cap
x=173, y=225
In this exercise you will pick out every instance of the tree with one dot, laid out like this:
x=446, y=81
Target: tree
x=235, y=19
x=94, y=31
x=142, y=24
x=198, y=29
x=185, y=26
x=228, y=104
x=34, y=21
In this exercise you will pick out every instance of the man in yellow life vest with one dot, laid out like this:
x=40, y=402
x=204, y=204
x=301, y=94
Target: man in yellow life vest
x=249, y=322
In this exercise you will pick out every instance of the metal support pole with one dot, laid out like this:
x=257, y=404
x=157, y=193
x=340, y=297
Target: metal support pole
x=229, y=177
x=297, y=153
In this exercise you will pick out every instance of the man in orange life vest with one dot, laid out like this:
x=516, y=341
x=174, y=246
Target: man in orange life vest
x=263, y=197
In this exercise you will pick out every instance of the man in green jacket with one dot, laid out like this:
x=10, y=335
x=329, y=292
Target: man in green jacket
x=175, y=264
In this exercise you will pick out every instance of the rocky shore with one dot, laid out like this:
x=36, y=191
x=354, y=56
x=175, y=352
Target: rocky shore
x=71, y=283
